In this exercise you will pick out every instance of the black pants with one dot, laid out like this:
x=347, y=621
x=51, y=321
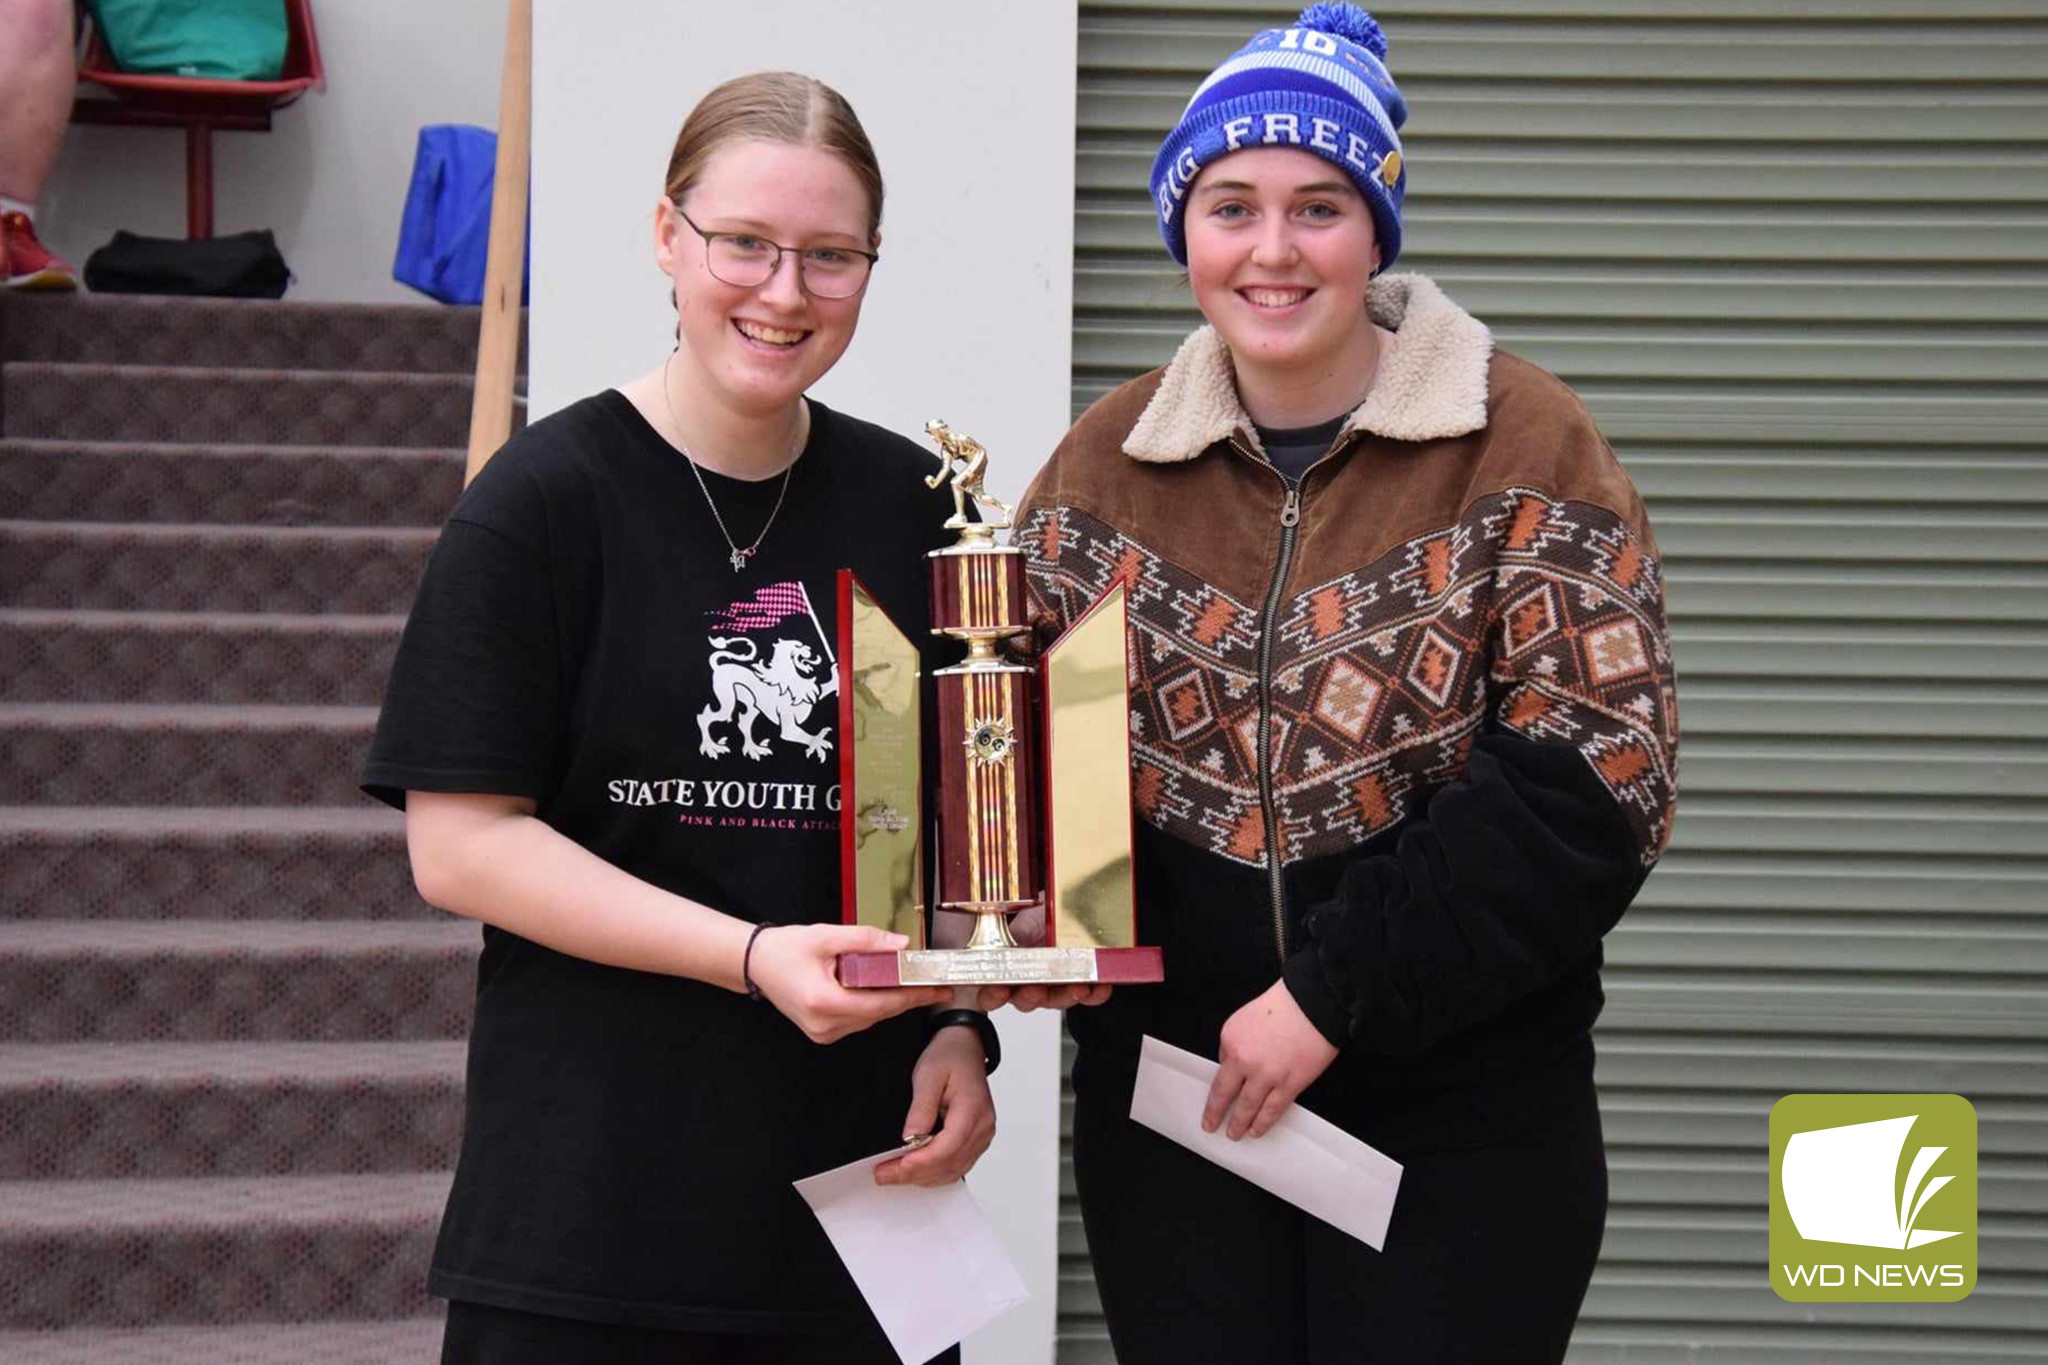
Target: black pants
x=1487, y=1258
x=480, y=1335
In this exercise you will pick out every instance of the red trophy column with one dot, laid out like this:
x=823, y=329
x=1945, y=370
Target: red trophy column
x=989, y=806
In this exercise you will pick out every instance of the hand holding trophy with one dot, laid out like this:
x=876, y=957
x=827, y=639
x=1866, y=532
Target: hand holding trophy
x=1034, y=771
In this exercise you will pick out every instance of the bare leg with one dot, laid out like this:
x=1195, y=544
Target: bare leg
x=37, y=78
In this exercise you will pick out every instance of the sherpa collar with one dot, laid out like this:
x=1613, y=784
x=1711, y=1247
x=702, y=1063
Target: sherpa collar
x=1431, y=383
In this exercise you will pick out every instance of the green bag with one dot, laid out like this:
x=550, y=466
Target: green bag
x=221, y=40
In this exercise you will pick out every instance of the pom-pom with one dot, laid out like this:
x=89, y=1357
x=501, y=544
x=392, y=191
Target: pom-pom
x=1348, y=22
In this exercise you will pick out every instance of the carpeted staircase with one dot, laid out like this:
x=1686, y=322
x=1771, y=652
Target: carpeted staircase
x=230, y=1033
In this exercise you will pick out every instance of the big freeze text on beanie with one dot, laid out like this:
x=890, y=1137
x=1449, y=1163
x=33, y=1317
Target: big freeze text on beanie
x=1320, y=86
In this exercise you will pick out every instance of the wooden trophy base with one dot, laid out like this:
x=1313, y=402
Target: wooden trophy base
x=1002, y=967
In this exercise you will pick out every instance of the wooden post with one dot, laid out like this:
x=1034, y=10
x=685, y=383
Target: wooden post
x=497, y=351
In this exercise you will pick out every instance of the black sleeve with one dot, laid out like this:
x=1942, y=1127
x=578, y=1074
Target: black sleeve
x=474, y=701
x=1511, y=877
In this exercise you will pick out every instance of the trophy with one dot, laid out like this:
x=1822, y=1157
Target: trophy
x=1034, y=772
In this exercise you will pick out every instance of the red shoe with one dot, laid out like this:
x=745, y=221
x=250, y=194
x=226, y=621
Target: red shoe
x=26, y=263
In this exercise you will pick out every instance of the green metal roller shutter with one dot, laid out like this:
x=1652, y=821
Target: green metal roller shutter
x=1795, y=257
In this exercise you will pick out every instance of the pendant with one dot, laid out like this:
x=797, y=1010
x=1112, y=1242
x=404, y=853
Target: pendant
x=740, y=557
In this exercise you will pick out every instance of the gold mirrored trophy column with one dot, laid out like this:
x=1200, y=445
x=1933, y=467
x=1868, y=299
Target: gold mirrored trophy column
x=881, y=777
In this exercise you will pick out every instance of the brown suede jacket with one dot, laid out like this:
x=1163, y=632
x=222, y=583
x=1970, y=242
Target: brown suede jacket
x=1435, y=679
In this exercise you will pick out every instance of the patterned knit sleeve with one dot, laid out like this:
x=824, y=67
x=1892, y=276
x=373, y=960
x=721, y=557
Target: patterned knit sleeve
x=1581, y=654
x=1514, y=872
x=1056, y=598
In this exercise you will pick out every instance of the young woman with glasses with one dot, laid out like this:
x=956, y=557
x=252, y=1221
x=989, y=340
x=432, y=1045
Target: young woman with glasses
x=1404, y=743
x=612, y=724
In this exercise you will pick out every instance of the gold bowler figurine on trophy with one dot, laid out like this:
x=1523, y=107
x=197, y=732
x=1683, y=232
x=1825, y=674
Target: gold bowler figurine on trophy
x=1034, y=771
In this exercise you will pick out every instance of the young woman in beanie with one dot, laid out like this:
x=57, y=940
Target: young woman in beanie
x=1404, y=743
x=612, y=726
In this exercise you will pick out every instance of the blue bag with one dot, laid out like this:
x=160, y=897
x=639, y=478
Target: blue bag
x=445, y=233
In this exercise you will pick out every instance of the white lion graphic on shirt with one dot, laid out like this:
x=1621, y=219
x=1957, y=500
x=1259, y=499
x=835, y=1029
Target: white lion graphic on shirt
x=781, y=691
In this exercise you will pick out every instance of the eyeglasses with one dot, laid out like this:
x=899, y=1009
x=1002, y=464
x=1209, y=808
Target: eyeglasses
x=743, y=260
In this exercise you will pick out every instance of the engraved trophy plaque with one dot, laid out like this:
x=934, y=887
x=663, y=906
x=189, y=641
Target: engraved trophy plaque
x=1034, y=792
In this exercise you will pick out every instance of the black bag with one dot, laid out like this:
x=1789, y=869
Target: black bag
x=243, y=265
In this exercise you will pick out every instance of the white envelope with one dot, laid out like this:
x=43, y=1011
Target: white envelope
x=926, y=1260
x=1303, y=1158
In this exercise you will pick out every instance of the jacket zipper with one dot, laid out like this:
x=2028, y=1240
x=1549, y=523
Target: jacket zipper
x=1290, y=521
x=1269, y=808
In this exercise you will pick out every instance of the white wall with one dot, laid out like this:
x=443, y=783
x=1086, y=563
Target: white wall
x=971, y=110
x=330, y=176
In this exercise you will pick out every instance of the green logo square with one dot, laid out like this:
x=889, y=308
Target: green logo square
x=1873, y=1198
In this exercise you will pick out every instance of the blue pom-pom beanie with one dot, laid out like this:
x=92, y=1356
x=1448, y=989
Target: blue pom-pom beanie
x=1320, y=86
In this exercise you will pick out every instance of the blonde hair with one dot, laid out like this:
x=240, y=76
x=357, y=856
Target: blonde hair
x=776, y=106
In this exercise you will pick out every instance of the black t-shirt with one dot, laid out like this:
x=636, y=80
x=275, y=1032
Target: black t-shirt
x=1291, y=450
x=581, y=638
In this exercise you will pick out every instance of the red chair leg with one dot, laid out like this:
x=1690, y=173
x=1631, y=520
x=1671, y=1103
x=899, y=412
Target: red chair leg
x=198, y=180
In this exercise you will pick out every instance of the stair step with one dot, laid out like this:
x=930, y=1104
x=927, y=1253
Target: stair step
x=223, y=863
x=264, y=485
x=64, y=981
x=137, y=329
x=83, y=754
x=93, y=1111
x=407, y=1341
x=220, y=658
x=184, y=403
x=132, y=1253
x=231, y=1056
x=136, y=567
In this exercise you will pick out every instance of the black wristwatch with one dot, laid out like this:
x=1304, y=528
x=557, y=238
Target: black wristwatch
x=991, y=1046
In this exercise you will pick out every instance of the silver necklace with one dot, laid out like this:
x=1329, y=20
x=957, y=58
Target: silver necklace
x=739, y=556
